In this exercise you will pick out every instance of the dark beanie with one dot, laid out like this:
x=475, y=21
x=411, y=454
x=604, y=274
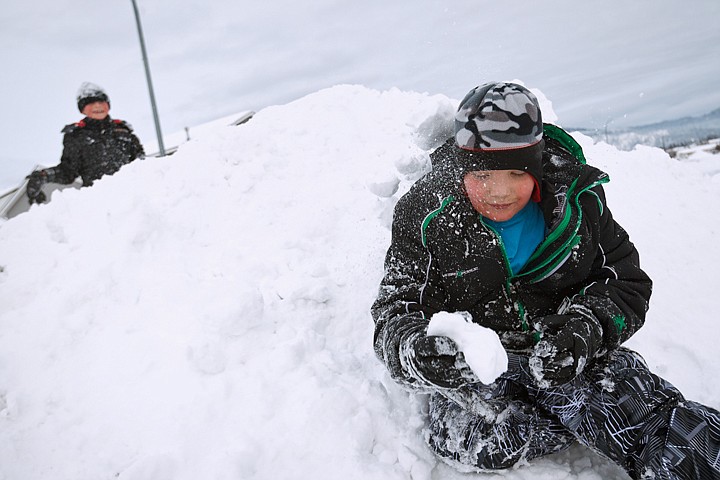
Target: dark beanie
x=89, y=93
x=498, y=126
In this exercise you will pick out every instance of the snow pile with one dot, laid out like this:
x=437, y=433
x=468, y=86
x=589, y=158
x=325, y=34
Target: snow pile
x=206, y=315
x=481, y=346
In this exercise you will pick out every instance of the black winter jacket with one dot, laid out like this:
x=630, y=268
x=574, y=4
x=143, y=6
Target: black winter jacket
x=93, y=148
x=443, y=257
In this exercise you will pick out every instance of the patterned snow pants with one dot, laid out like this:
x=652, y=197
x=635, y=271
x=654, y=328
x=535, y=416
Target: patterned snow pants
x=618, y=408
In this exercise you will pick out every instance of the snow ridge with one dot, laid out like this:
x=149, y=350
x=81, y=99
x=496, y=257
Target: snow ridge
x=206, y=315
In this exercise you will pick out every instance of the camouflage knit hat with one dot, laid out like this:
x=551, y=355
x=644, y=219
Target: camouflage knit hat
x=498, y=126
x=89, y=93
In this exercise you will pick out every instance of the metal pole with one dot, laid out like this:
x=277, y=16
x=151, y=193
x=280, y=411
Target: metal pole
x=161, y=146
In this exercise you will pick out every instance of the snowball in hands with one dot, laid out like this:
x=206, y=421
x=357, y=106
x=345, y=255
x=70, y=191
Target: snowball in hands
x=481, y=346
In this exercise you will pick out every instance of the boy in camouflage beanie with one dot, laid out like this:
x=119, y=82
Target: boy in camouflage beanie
x=511, y=227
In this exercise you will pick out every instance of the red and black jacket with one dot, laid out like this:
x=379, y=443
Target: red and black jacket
x=93, y=148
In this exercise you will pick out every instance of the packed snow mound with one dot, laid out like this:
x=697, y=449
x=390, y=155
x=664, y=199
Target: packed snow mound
x=206, y=315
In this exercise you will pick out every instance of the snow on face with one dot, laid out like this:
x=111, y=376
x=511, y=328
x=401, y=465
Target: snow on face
x=499, y=194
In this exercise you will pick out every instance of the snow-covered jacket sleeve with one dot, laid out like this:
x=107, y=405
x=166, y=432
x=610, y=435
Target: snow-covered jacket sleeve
x=139, y=149
x=617, y=292
x=131, y=144
x=69, y=167
x=410, y=293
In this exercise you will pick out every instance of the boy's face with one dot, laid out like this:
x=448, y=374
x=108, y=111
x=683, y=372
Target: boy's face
x=96, y=110
x=499, y=194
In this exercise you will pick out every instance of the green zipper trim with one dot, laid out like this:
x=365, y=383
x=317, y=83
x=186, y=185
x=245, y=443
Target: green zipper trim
x=565, y=140
x=445, y=202
x=569, y=143
x=555, y=234
x=550, y=239
x=521, y=311
x=574, y=238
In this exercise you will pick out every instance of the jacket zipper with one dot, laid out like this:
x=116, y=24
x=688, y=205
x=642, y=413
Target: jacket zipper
x=553, y=262
x=519, y=307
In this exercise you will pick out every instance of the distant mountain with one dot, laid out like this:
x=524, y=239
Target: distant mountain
x=667, y=134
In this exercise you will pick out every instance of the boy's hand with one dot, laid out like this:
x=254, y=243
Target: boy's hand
x=34, y=187
x=568, y=342
x=39, y=197
x=439, y=362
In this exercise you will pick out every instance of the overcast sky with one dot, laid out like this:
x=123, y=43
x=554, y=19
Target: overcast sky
x=611, y=61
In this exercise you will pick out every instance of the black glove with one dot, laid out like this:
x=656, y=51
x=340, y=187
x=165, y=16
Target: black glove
x=517, y=342
x=567, y=344
x=34, y=187
x=439, y=362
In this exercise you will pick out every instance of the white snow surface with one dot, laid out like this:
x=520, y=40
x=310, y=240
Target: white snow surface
x=206, y=315
x=481, y=346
